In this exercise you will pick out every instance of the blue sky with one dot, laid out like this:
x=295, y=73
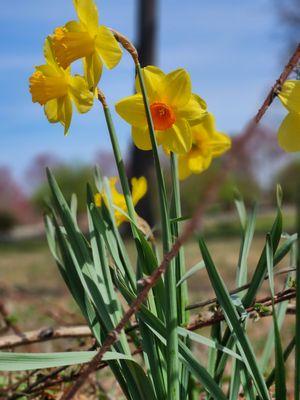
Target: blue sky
x=231, y=48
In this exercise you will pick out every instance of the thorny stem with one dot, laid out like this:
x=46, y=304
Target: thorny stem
x=278, y=84
x=198, y=324
x=188, y=231
x=234, y=291
x=29, y=338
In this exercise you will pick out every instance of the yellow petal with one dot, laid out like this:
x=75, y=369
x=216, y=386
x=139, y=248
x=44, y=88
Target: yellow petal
x=119, y=217
x=117, y=197
x=132, y=110
x=108, y=47
x=206, y=128
x=139, y=188
x=87, y=14
x=199, y=164
x=141, y=138
x=209, y=123
x=177, y=88
x=98, y=199
x=65, y=112
x=183, y=167
x=74, y=26
x=290, y=95
x=177, y=139
x=289, y=133
x=48, y=70
x=153, y=77
x=92, y=70
x=49, y=53
x=80, y=94
x=220, y=143
x=51, y=110
x=194, y=111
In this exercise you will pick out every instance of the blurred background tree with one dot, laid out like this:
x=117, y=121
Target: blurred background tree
x=289, y=179
x=194, y=188
x=14, y=205
x=289, y=15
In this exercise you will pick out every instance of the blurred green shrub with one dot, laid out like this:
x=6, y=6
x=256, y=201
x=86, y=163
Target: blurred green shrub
x=289, y=179
x=194, y=188
x=71, y=180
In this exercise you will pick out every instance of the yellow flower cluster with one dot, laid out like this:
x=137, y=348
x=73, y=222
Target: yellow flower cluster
x=181, y=121
x=139, y=189
x=52, y=84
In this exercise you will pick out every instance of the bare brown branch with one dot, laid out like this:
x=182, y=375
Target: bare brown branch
x=234, y=291
x=52, y=379
x=44, y=334
x=277, y=86
x=266, y=302
x=7, y=320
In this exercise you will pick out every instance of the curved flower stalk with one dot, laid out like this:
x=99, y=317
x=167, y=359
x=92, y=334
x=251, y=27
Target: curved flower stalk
x=56, y=89
x=208, y=143
x=86, y=39
x=139, y=189
x=289, y=130
x=174, y=109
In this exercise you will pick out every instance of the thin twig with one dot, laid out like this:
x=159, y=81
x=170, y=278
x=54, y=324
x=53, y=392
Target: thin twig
x=8, y=322
x=13, y=341
x=219, y=316
x=44, y=334
x=46, y=381
x=13, y=387
x=234, y=291
x=149, y=282
x=278, y=84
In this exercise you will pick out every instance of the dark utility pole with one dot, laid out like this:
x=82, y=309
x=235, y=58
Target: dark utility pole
x=142, y=161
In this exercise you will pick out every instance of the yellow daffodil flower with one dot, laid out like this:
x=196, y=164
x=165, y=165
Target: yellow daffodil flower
x=174, y=109
x=207, y=144
x=56, y=89
x=139, y=189
x=289, y=130
x=88, y=40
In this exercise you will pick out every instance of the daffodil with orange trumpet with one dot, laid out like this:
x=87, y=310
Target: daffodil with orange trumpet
x=174, y=109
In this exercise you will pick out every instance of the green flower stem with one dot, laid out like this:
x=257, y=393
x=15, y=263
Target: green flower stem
x=170, y=277
x=182, y=290
x=121, y=167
